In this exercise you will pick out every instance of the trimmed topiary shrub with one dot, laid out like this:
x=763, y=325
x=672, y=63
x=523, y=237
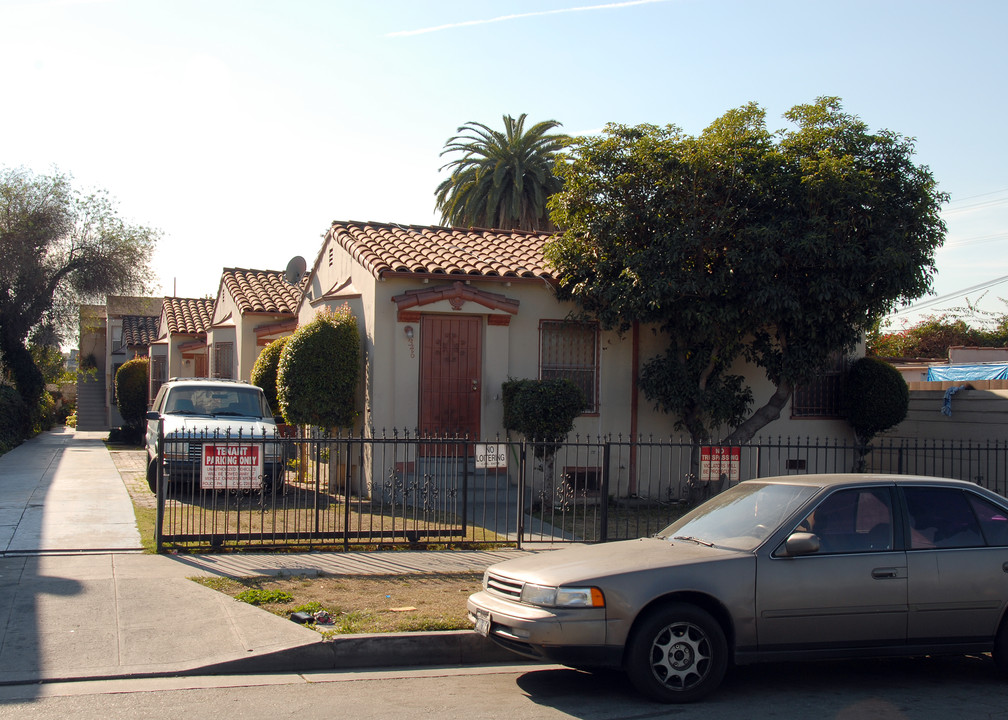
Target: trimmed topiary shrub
x=131, y=383
x=264, y=372
x=14, y=419
x=318, y=371
x=876, y=397
x=542, y=410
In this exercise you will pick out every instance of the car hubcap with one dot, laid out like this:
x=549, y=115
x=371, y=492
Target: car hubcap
x=681, y=656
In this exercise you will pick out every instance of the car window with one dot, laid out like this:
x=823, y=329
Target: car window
x=852, y=520
x=742, y=516
x=993, y=521
x=941, y=518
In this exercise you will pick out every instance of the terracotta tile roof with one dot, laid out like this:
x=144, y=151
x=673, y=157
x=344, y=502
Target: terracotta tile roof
x=189, y=316
x=262, y=291
x=384, y=248
x=139, y=330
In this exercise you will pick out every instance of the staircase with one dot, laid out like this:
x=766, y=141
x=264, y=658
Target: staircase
x=91, y=411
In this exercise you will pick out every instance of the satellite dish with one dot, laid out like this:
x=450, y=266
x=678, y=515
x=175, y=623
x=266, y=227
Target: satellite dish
x=295, y=270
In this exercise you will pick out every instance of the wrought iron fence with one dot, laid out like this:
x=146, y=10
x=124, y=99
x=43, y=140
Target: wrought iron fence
x=228, y=491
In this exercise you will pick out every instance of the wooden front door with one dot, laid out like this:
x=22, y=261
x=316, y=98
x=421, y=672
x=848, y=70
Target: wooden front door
x=450, y=379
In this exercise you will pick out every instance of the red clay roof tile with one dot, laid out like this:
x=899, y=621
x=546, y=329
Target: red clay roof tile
x=383, y=248
x=262, y=291
x=190, y=316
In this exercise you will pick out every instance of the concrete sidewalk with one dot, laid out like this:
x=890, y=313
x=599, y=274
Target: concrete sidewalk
x=79, y=601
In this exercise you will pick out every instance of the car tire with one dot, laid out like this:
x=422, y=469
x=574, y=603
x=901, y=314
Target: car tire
x=152, y=475
x=1001, y=648
x=677, y=654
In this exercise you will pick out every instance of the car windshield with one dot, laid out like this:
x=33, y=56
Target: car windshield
x=234, y=402
x=741, y=517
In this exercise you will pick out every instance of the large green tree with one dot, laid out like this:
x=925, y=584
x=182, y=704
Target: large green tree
x=742, y=244
x=501, y=179
x=60, y=248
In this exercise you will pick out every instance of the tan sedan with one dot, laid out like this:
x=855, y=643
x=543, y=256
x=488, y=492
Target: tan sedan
x=798, y=567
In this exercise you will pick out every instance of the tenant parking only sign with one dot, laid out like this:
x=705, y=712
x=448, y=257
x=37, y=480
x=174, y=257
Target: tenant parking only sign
x=231, y=467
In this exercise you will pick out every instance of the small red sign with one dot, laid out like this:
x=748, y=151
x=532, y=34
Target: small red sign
x=231, y=467
x=716, y=461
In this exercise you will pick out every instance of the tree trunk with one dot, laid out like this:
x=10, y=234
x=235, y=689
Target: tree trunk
x=762, y=417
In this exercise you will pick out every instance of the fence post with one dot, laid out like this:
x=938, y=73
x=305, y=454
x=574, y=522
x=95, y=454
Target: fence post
x=520, y=520
x=465, y=486
x=604, y=520
x=160, y=486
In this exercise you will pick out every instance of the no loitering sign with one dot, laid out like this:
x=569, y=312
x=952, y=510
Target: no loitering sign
x=231, y=467
x=491, y=455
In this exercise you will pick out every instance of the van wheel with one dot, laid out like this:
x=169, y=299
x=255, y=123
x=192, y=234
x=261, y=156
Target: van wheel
x=152, y=475
x=677, y=654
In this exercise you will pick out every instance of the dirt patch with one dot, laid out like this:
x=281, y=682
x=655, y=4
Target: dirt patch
x=365, y=603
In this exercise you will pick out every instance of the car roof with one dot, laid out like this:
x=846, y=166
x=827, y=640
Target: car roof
x=824, y=480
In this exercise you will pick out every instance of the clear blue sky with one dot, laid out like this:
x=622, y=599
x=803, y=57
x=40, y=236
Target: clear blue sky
x=243, y=128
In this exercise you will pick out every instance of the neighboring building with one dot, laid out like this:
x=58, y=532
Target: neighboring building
x=181, y=347
x=447, y=315
x=252, y=309
x=110, y=335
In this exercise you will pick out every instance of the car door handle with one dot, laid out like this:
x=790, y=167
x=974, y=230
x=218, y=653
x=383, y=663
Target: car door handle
x=885, y=573
x=1005, y=567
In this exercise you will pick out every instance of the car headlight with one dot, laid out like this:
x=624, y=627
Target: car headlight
x=549, y=596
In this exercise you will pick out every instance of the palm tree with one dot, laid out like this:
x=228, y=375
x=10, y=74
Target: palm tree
x=501, y=179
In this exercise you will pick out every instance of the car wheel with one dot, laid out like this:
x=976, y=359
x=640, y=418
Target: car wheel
x=1001, y=648
x=152, y=475
x=677, y=654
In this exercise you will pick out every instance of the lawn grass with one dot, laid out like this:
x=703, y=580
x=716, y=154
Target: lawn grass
x=362, y=603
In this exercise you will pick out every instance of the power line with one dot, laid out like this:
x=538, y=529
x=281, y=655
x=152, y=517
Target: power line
x=950, y=296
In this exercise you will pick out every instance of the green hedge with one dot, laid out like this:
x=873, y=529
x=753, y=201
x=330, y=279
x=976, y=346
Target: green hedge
x=264, y=372
x=15, y=422
x=542, y=410
x=131, y=383
x=876, y=397
x=318, y=372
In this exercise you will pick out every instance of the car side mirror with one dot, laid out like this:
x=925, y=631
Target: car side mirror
x=153, y=415
x=801, y=543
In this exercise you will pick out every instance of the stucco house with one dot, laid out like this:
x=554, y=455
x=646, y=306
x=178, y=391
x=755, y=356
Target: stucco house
x=447, y=315
x=181, y=347
x=110, y=335
x=252, y=309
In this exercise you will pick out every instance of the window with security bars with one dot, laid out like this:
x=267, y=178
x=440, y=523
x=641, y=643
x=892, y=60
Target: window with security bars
x=223, y=360
x=821, y=396
x=570, y=350
x=158, y=373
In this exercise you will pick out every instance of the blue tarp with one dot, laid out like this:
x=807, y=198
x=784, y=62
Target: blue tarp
x=955, y=373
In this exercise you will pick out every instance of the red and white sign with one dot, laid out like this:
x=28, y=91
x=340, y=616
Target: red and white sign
x=231, y=467
x=717, y=461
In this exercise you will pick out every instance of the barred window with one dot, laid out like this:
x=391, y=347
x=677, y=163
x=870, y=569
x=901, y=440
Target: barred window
x=821, y=396
x=223, y=361
x=158, y=373
x=570, y=350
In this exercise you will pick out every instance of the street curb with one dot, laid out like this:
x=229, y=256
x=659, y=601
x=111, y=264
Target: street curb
x=349, y=652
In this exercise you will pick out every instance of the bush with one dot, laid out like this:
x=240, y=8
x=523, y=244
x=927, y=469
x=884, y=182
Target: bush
x=876, y=397
x=264, y=372
x=318, y=371
x=43, y=414
x=15, y=422
x=131, y=382
x=542, y=410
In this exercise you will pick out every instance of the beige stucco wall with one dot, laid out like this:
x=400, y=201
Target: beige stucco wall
x=391, y=361
x=977, y=415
